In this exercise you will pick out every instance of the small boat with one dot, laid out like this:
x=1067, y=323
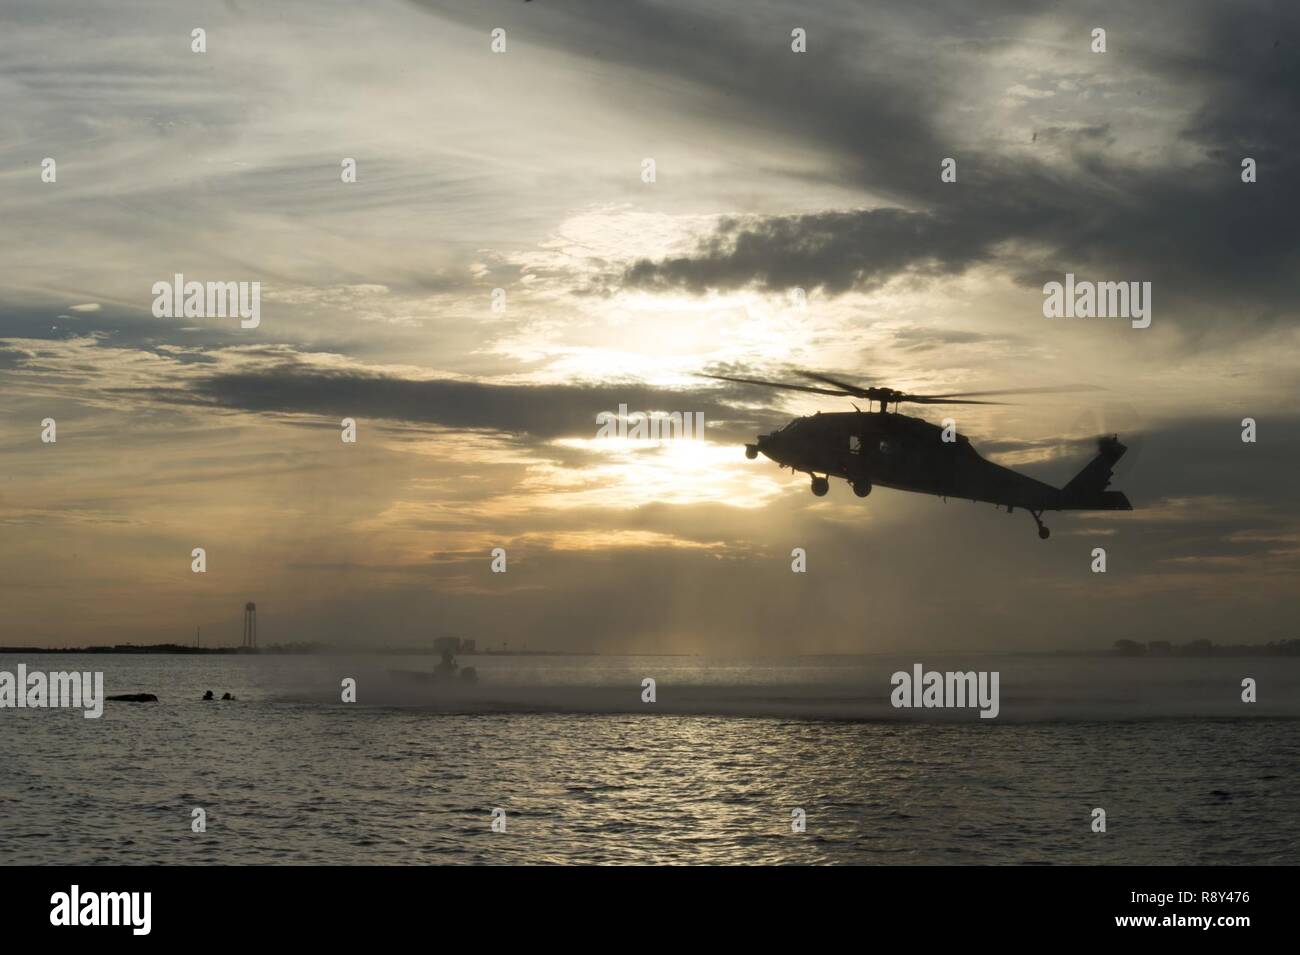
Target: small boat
x=447, y=671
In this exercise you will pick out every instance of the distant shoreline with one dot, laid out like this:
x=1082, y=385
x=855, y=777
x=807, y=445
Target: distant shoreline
x=288, y=650
x=1125, y=649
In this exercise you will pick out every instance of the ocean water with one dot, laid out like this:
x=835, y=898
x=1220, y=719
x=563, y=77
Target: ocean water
x=709, y=773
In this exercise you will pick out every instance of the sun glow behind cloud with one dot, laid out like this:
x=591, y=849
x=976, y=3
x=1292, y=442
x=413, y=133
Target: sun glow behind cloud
x=628, y=473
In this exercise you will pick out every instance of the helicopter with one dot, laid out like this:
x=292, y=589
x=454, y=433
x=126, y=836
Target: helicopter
x=898, y=451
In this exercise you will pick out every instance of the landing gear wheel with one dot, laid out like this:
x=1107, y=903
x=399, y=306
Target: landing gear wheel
x=751, y=452
x=820, y=486
x=1043, y=533
x=861, y=488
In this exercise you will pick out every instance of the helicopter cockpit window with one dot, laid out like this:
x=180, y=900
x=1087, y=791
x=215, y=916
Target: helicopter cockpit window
x=855, y=443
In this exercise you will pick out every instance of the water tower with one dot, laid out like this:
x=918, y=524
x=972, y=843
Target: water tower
x=250, y=627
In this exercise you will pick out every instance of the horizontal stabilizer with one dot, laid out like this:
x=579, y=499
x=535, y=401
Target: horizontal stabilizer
x=1110, y=501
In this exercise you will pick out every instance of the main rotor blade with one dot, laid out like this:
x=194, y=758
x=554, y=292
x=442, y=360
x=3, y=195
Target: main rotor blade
x=921, y=399
x=827, y=380
x=844, y=388
x=899, y=396
x=777, y=384
x=1047, y=390
x=940, y=400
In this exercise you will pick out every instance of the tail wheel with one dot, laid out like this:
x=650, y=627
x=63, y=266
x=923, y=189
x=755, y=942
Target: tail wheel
x=1044, y=533
x=820, y=486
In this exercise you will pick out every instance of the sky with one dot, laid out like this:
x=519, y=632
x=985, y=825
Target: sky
x=796, y=219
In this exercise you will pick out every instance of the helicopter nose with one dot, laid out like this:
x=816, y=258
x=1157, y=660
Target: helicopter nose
x=764, y=444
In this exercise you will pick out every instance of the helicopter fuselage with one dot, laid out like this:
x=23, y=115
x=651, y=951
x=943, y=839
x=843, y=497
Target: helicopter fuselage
x=910, y=454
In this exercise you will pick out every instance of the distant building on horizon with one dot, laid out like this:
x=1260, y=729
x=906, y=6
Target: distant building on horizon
x=453, y=645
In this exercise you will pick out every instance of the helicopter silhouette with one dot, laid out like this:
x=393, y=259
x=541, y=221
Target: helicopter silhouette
x=898, y=451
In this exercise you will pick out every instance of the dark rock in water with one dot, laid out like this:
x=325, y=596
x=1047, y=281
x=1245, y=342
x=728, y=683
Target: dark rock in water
x=134, y=698
x=226, y=696
x=208, y=695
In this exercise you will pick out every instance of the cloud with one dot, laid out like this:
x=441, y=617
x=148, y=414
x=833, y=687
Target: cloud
x=540, y=412
x=1137, y=175
x=832, y=251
